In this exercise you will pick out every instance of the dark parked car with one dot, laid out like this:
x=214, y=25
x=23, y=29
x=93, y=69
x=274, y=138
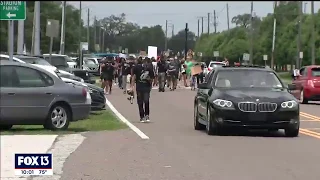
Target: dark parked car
x=33, y=96
x=60, y=61
x=97, y=97
x=245, y=97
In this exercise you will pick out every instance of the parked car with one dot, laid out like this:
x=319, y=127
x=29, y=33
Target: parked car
x=32, y=96
x=98, y=99
x=215, y=64
x=40, y=63
x=60, y=61
x=245, y=97
x=307, y=84
x=91, y=65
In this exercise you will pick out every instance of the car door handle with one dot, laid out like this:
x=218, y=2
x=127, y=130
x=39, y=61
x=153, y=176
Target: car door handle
x=11, y=94
x=49, y=93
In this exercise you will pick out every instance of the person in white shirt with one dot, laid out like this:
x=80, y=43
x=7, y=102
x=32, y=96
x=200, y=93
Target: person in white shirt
x=155, y=70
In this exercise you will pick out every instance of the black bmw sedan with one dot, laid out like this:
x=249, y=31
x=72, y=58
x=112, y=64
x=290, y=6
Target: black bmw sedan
x=245, y=97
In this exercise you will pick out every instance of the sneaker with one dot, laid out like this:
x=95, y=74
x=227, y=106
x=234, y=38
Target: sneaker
x=142, y=120
x=147, y=119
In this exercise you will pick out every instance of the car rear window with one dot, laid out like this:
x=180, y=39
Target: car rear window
x=315, y=72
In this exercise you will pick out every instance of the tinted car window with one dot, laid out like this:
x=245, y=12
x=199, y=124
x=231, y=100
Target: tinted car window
x=57, y=61
x=35, y=60
x=5, y=74
x=315, y=72
x=28, y=77
x=247, y=78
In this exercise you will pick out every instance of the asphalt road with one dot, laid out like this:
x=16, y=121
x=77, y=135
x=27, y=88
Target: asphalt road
x=175, y=151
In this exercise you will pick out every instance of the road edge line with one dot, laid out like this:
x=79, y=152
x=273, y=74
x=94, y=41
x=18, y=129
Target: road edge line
x=127, y=122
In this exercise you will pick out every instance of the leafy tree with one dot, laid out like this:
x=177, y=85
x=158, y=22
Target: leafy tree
x=177, y=42
x=236, y=41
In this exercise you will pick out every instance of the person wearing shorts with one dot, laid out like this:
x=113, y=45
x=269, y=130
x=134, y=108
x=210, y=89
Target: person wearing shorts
x=108, y=75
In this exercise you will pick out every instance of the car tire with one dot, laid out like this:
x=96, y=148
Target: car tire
x=211, y=128
x=197, y=125
x=302, y=99
x=5, y=127
x=292, y=131
x=58, y=118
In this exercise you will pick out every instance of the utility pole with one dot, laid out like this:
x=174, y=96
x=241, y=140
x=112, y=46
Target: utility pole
x=208, y=23
x=186, y=42
x=20, y=40
x=166, y=40
x=273, y=34
x=198, y=28
x=202, y=25
x=215, y=21
x=251, y=34
x=37, y=28
x=313, y=60
x=79, y=40
x=172, y=29
x=228, y=17
x=100, y=40
x=103, y=33
x=63, y=28
x=88, y=29
x=95, y=33
x=299, y=34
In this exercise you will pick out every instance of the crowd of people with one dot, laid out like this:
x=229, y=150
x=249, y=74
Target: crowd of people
x=143, y=73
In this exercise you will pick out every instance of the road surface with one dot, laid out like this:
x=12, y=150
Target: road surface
x=175, y=151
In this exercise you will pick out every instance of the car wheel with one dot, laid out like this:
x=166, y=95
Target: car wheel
x=211, y=127
x=58, y=118
x=197, y=125
x=292, y=131
x=302, y=99
x=5, y=127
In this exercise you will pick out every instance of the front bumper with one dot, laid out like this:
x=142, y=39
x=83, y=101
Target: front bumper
x=98, y=100
x=256, y=120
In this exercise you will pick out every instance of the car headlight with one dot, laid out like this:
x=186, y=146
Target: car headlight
x=81, y=80
x=289, y=104
x=223, y=103
x=87, y=74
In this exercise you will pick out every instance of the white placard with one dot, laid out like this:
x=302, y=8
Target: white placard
x=216, y=54
x=265, y=57
x=152, y=51
x=301, y=55
x=246, y=57
x=85, y=46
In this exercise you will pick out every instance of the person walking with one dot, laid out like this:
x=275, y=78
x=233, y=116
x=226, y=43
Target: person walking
x=126, y=70
x=162, y=69
x=172, y=74
x=107, y=75
x=142, y=77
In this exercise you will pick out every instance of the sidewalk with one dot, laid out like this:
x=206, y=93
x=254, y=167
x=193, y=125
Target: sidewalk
x=21, y=144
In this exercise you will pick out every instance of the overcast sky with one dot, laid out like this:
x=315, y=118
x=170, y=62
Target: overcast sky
x=177, y=12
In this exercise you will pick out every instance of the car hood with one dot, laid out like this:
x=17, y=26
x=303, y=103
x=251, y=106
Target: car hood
x=252, y=94
x=72, y=63
x=94, y=87
x=70, y=70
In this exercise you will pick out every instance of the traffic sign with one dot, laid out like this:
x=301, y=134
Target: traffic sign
x=265, y=57
x=216, y=54
x=246, y=56
x=12, y=10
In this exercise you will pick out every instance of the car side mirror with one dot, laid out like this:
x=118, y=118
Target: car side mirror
x=203, y=86
x=292, y=87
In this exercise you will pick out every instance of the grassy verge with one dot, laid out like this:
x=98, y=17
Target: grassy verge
x=97, y=121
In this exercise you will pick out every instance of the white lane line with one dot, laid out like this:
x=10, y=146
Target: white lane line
x=124, y=120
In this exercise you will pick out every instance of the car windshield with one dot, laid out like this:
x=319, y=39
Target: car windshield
x=247, y=79
x=214, y=65
x=315, y=72
x=35, y=60
x=89, y=61
x=58, y=61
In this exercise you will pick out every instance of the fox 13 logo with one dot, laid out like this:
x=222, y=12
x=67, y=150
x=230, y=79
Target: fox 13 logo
x=33, y=164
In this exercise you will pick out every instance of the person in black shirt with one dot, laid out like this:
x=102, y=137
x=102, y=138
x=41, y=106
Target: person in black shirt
x=162, y=69
x=107, y=74
x=142, y=77
x=126, y=70
x=200, y=76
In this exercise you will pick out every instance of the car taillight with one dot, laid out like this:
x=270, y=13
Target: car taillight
x=84, y=92
x=310, y=83
x=209, y=69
